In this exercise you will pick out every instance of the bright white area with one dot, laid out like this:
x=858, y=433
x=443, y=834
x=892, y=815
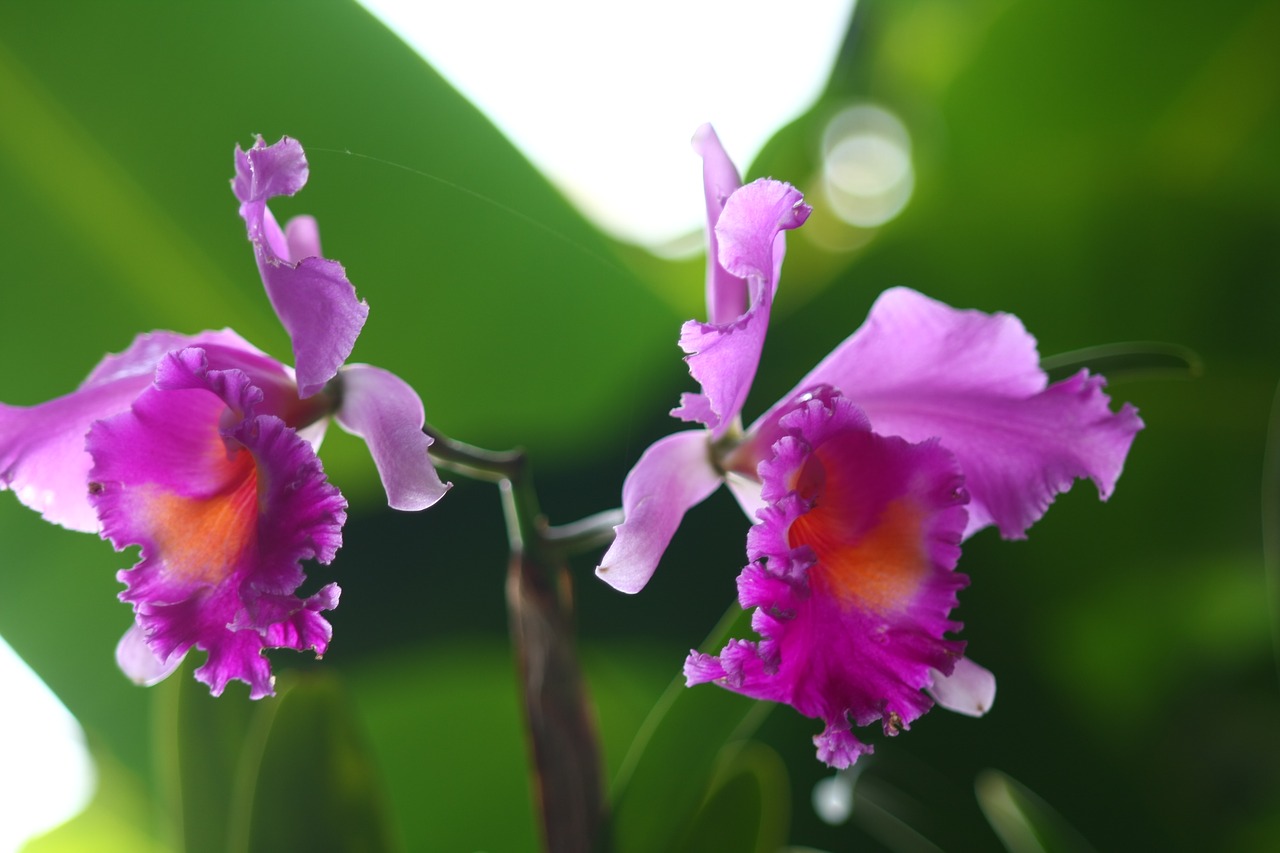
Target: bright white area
x=46, y=774
x=833, y=796
x=603, y=97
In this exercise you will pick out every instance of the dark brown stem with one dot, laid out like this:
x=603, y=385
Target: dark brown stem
x=568, y=776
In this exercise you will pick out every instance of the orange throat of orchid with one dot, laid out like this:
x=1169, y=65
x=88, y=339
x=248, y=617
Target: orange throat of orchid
x=871, y=556
x=202, y=539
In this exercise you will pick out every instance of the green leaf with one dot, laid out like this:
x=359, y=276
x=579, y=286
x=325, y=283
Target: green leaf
x=1271, y=520
x=1024, y=822
x=317, y=787
x=673, y=760
x=748, y=810
x=1121, y=362
x=201, y=746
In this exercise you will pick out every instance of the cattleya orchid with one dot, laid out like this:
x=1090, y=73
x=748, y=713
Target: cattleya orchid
x=201, y=449
x=926, y=425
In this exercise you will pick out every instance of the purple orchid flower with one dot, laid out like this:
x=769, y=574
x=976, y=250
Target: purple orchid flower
x=926, y=425
x=201, y=449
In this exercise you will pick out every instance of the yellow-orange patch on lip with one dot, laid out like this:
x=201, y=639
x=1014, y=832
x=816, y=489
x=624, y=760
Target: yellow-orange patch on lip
x=203, y=539
x=878, y=567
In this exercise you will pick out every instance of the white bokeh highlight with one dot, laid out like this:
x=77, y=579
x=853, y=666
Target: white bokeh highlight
x=867, y=172
x=46, y=774
x=603, y=97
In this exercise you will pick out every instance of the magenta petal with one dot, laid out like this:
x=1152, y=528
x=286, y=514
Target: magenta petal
x=674, y=475
x=723, y=357
x=266, y=171
x=852, y=577
x=42, y=455
x=312, y=296
x=921, y=369
x=224, y=504
x=386, y=412
x=968, y=690
x=726, y=293
x=318, y=307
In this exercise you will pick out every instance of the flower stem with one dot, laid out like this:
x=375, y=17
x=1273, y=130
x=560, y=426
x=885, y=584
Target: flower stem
x=568, y=776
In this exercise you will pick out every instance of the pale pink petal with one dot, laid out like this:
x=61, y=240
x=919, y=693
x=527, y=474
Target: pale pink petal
x=726, y=293
x=674, y=475
x=968, y=690
x=723, y=357
x=139, y=663
x=921, y=369
x=142, y=356
x=387, y=413
x=746, y=491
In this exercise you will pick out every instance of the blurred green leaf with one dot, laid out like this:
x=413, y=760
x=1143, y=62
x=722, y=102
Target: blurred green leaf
x=317, y=787
x=1121, y=362
x=1024, y=822
x=203, y=744
x=445, y=725
x=666, y=774
x=749, y=806
x=1271, y=522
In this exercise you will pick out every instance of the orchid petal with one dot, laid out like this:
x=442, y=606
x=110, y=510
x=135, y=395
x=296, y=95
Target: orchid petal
x=139, y=663
x=225, y=504
x=723, y=357
x=266, y=171
x=315, y=301
x=922, y=369
x=726, y=293
x=302, y=238
x=146, y=351
x=968, y=690
x=673, y=475
x=381, y=408
x=746, y=491
x=42, y=455
x=852, y=577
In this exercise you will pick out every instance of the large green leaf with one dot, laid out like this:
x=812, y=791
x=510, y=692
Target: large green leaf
x=208, y=747
x=670, y=768
x=317, y=786
x=749, y=805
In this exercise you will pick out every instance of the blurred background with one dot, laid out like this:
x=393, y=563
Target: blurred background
x=1108, y=172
